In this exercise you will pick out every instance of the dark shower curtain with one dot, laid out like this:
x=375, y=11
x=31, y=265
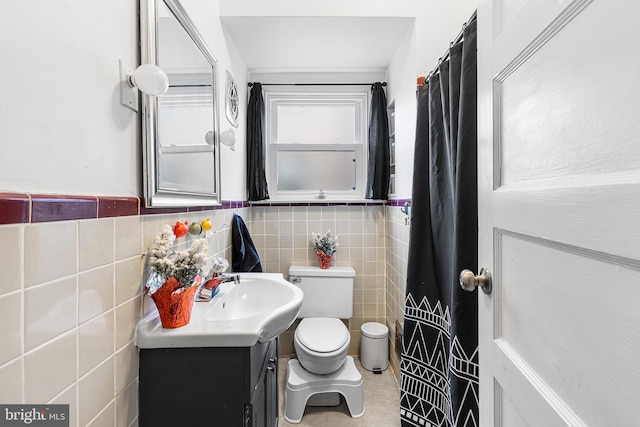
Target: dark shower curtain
x=439, y=366
x=378, y=171
x=256, y=179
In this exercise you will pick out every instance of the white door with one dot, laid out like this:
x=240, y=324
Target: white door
x=559, y=212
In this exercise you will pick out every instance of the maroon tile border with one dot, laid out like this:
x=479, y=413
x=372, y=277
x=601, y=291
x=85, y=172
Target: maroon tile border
x=297, y=204
x=226, y=204
x=14, y=208
x=144, y=210
x=18, y=208
x=46, y=208
x=234, y=204
x=118, y=206
x=391, y=202
x=398, y=202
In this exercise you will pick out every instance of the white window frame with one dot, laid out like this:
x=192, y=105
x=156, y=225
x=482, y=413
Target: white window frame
x=277, y=95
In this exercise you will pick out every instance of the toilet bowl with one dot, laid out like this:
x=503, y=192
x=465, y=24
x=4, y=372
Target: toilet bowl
x=321, y=344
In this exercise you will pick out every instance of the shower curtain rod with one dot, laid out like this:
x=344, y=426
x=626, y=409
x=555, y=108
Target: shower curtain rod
x=456, y=40
x=316, y=84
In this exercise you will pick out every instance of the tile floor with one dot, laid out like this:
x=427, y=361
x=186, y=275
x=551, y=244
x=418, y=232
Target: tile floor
x=381, y=403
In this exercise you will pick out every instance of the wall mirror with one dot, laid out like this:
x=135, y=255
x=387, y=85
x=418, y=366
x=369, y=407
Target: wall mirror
x=180, y=132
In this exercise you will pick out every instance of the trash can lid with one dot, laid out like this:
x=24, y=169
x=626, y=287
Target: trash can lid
x=374, y=330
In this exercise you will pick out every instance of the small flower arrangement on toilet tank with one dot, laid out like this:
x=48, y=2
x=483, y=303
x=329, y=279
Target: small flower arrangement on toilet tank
x=325, y=246
x=326, y=243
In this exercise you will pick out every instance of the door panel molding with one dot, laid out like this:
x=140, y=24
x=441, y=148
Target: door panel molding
x=620, y=261
x=546, y=407
x=554, y=28
x=501, y=78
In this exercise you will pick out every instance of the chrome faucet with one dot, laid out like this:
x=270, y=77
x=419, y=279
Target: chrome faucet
x=235, y=278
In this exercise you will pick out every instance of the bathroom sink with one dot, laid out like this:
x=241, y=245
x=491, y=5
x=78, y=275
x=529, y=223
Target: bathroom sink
x=252, y=297
x=258, y=309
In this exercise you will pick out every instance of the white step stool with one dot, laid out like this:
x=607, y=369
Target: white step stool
x=302, y=384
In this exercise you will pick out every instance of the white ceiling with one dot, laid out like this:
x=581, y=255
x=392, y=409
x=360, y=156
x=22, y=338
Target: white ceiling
x=316, y=43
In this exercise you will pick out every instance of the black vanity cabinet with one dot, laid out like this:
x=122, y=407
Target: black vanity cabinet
x=211, y=386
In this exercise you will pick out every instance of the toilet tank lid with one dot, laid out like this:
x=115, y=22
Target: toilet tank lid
x=313, y=271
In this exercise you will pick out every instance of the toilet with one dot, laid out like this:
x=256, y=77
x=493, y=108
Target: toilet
x=323, y=369
x=321, y=344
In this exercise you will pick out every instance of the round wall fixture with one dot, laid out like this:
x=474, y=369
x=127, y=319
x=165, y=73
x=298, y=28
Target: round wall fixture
x=232, y=101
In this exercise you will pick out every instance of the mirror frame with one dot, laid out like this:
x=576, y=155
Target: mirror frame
x=154, y=195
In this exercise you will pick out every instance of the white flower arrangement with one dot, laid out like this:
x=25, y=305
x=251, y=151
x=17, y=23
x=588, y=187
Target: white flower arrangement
x=184, y=265
x=326, y=243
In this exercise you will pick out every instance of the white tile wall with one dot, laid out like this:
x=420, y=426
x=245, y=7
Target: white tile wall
x=282, y=236
x=95, y=292
x=50, y=251
x=50, y=368
x=95, y=341
x=128, y=237
x=12, y=390
x=106, y=418
x=69, y=395
x=44, y=320
x=127, y=406
x=95, y=243
x=11, y=259
x=71, y=297
x=12, y=337
x=70, y=308
x=397, y=250
x=95, y=391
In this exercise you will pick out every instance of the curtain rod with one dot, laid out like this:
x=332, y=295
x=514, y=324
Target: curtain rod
x=456, y=40
x=316, y=84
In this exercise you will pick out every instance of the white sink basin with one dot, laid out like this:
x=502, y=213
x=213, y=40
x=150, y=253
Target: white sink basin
x=258, y=309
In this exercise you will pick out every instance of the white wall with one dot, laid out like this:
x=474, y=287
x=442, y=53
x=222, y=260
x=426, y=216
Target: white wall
x=401, y=88
x=437, y=22
x=436, y=25
x=62, y=128
x=207, y=19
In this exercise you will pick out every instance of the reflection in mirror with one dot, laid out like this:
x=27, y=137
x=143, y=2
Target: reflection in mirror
x=179, y=128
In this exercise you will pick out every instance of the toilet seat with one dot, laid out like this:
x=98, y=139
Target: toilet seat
x=321, y=344
x=322, y=334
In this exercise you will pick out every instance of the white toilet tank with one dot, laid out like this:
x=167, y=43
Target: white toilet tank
x=327, y=292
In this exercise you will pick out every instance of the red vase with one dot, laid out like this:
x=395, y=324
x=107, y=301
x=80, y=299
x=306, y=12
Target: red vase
x=174, y=308
x=323, y=259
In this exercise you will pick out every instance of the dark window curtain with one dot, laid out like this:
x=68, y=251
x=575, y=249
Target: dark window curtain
x=378, y=167
x=439, y=366
x=256, y=179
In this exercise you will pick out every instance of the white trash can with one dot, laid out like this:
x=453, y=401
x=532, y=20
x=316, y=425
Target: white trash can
x=374, y=347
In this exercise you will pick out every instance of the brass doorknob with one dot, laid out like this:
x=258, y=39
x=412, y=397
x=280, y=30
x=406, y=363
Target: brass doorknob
x=469, y=281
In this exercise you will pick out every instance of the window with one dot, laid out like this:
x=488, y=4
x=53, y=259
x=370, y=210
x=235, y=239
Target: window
x=316, y=138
